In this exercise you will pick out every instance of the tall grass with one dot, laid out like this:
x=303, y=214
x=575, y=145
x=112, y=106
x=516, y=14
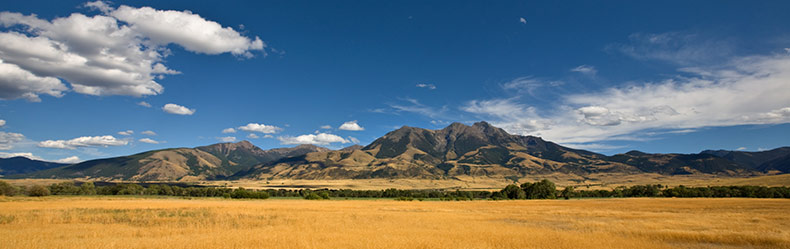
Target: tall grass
x=117, y=222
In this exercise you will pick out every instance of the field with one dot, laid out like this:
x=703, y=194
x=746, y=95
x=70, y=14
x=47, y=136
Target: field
x=128, y=222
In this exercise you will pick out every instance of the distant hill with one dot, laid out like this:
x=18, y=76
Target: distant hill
x=22, y=165
x=479, y=150
x=201, y=163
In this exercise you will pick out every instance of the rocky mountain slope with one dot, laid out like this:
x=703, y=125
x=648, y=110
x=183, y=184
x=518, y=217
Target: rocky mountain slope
x=482, y=150
x=205, y=162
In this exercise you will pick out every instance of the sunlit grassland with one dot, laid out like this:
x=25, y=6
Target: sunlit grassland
x=117, y=222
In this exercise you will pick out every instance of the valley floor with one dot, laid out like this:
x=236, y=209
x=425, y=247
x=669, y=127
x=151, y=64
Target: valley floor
x=129, y=222
x=594, y=181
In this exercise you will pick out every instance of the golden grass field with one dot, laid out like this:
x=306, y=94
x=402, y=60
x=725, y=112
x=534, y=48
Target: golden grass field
x=129, y=222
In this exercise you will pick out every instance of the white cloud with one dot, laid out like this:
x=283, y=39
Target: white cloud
x=229, y=130
x=325, y=127
x=353, y=139
x=262, y=128
x=16, y=82
x=69, y=160
x=22, y=154
x=268, y=136
x=87, y=141
x=2, y=123
x=8, y=139
x=750, y=90
x=148, y=141
x=319, y=139
x=189, y=30
x=585, y=69
x=117, y=52
x=351, y=126
x=143, y=103
x=253, y=136
x=177, y=109
x=227, y=139
x=522, y=20
x=150, y=133
x=741, y=148
x=429, y=86
x=126, y=133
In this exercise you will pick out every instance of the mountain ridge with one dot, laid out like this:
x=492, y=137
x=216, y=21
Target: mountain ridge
x=477, y=150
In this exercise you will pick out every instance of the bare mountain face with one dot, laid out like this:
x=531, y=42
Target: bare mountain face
x=409, y=152
x=201, y=163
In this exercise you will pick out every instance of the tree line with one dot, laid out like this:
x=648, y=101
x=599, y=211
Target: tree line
x=543, y=189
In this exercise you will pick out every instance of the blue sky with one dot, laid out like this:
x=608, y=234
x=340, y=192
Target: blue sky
x=669, y=76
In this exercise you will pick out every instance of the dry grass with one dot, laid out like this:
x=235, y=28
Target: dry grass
x=593, y=181
x=115, y=222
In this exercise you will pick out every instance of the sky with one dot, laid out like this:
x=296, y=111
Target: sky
x=85, y=80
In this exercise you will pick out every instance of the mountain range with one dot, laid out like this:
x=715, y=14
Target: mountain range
x=479, y=150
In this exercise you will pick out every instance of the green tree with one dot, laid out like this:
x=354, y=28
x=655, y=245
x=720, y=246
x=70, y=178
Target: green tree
x=87, y=188
x=8, y=189
x=568, y=192
x=38, y=190
x=513, y=192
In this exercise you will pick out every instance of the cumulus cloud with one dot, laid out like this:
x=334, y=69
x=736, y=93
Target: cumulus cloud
x=148, y=141
x=177, y=109
x=86, y=141
x=227, y=139
x=144, y=104
x=351, y=126
x=2, y=123
x=262, y=128
x=8, y=139
x=585, y=69
x=126, y=133
x=150, y=133
x=69, y=160
x=253, y=136
x=229, y=130
x=428, y=86
x=325, y=127
x=117, y=52
x=317, y=139
x=16, y=83
x=353, y=139
x=522, y=20
x=748, y=90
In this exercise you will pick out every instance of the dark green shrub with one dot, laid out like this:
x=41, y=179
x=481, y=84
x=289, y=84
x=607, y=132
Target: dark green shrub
x=38, y=190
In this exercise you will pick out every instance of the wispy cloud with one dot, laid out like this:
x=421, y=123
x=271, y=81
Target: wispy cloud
x=585, y=69
x=415, y=106
x=676, y=47
x=747, y=90
x=428, y=86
